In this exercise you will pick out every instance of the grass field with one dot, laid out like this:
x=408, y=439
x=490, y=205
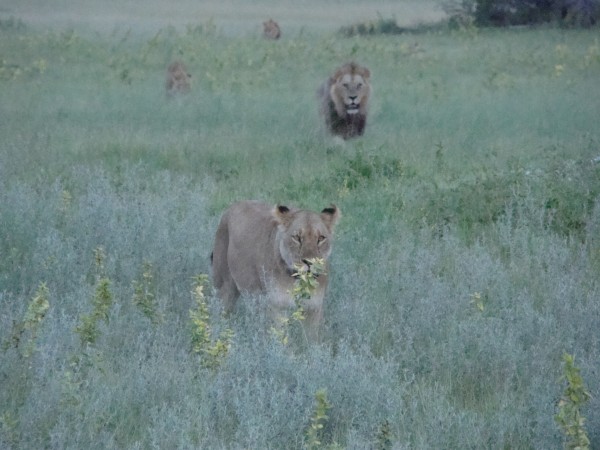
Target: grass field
x=465, y=265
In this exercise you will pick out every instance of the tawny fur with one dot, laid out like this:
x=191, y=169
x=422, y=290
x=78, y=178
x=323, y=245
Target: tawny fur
x=344, y=99
x=271, y=29
x=255, y=250
x=178, y=79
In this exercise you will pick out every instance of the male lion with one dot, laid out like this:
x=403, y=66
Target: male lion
x=344, y=98
x=271, y=29
x=178, y=79
x=257, y=247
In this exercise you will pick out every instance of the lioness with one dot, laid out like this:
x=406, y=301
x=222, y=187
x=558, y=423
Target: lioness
x=271, y=29
x=178, y=78
x=344, y=98
x=256, y=249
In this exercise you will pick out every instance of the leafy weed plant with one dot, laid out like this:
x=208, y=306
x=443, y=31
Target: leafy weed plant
x=304, y=286
x=23, y=339
x=25, y=332
x=569, y=416
x=144, y=297
x=318, y=421
x=212, y=353
x=102, y=301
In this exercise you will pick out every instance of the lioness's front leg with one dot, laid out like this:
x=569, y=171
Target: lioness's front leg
x=312, y=323
x=229, y=294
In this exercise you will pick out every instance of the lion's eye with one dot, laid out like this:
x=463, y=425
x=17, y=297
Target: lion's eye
x=297, y=238
x=346, y=85
x=321, y=239
x=359, y=85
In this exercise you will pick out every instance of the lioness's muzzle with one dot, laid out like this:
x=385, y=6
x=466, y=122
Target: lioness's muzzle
x=309, y=268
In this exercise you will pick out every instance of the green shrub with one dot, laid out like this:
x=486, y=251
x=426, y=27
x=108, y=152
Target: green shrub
x=144, y=297
x=318, y=421
x=29, y=326
x=569, y=417
x=362, y=169
x=305, y=283
x=514, y=12
x=212, y=351
x=373, y=27
x=102, y=301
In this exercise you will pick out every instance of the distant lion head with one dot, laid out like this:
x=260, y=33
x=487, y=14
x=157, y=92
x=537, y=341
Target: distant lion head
x=350, y=89
x=178, y=78
x=271, y=29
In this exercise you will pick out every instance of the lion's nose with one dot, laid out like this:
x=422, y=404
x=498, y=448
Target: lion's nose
x=352, y=97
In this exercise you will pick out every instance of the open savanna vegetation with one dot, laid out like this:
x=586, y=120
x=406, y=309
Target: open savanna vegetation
x=463, y=306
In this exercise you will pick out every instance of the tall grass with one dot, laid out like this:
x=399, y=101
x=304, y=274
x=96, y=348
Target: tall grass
x=465, y=266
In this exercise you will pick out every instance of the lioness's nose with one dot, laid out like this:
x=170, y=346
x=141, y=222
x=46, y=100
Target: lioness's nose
x=352, y=97
x=307, y=262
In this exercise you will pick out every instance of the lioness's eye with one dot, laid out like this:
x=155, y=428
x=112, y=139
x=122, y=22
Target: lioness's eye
x=321, y=239
x=297, y=238
x=346, y=85
x=359, y=86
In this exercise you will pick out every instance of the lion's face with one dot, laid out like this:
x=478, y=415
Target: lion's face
x=350, y=90
x=304, y=234
x=271, y=29
x=178, y=78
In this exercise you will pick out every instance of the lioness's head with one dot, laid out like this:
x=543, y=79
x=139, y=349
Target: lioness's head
x=350, y=89
x=303, y=234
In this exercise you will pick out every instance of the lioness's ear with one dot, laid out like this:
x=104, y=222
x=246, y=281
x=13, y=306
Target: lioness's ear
x=330, y=216
x=282, y=214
